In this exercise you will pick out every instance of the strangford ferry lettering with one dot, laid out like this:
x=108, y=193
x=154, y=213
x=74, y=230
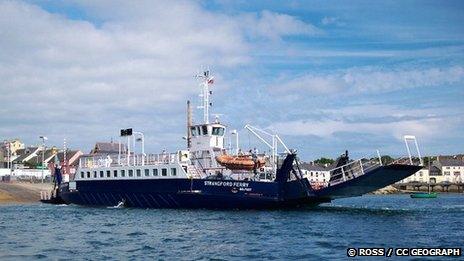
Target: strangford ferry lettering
x=226, y=184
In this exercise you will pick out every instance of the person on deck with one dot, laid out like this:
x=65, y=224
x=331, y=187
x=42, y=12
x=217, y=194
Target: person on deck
x=254, y=157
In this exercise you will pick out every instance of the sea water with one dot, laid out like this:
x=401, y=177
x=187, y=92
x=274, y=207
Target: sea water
x=33, y=231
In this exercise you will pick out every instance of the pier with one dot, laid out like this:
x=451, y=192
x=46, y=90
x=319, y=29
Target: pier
x=437, y=187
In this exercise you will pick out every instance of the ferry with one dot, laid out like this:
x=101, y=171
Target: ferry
x=207, y=174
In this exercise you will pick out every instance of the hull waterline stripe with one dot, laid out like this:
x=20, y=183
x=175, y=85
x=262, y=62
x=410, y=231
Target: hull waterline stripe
x=154, y=200
x=137, y=198
x=129, y=199
x=175, y=202
x=148, y=203
x=165, y=201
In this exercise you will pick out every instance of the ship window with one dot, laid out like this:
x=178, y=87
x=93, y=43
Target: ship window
x=123, y=173
x=108, y=173
x=147, y=172
x=131, y=173
x=88, y=174
x=155, y=172
x=139, y=173
x=101, y=174
x=173, y=171
x=193, y=131
x=115, y=173
x=204, y=130
x=164, y=172
x=82, y=174
x=218, y=131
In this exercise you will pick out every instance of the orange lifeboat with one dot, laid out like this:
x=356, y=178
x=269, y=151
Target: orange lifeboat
x=240, y=162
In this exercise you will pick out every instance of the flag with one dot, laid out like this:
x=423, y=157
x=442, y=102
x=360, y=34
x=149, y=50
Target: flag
x=211, y=80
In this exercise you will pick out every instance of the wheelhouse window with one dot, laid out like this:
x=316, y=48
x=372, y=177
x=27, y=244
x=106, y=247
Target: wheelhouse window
x=131, y=173
x=147, y=172
x=101, y=174
x=155, y=172
x=139, y=173
x=204, y=130
x=82, y=174
x=115, y=173
x=218, y=131
x=108, y=173
x=194, y=131
x=173, y=171
x=88, y=174
x=123, y=173
x=164, y=172
x=94, y=174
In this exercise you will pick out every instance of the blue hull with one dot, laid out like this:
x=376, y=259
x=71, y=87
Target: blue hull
x=186, y=193
x=226, y=194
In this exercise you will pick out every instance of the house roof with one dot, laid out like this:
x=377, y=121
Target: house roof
x=69, y=155
x=451, y=162
x=106, y=147
x=312, y=167
x=48, y=156
x=27, y=152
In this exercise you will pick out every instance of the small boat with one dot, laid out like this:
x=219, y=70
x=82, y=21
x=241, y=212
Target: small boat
x=240, y=162
x=424, y=195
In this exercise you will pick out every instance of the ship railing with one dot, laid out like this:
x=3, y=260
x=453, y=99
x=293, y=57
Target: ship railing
x=352, y=170
x=114, y=160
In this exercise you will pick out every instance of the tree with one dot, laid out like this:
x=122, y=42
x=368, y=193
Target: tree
x=324, y=161
x=386, y=159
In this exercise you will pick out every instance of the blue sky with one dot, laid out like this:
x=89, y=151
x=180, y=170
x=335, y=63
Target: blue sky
x=325, y=75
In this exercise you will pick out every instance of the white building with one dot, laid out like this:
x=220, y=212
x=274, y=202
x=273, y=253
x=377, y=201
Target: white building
x=315, y=173
x=422, y=176
x=452, y=169
x=446, y=169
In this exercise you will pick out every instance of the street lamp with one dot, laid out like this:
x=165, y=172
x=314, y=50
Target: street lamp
x=43, y=154
x=8, y=155
x=141, y=139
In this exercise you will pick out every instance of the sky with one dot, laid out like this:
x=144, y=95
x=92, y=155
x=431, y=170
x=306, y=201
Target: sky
x=327, y=76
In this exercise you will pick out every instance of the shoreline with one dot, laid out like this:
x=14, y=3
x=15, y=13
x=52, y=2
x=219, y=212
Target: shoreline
x=21, y=192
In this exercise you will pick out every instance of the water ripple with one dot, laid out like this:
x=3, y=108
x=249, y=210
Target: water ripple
x=40, y=231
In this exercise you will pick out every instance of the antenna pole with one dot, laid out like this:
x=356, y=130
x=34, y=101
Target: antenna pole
x=64, y=157
x=206, y=98
x=189, y=125
x=206, y=81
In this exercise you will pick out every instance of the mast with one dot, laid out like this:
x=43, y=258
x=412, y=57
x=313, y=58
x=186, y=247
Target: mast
x=189, y=124
x=206, y=81
x=64, y=157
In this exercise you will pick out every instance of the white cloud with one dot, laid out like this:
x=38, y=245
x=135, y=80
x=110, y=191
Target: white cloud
x=311, y=84
x=133, y=66
x=424, y=128
x=274, y=25
x=371, y=79
x=330, y=20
